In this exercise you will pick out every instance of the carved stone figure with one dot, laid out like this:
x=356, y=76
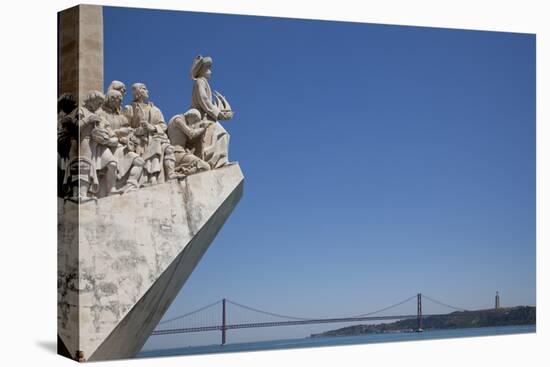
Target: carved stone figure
x=182, y=129
x=111, y=110
x=104, y=149
x=119, y=86
x=66, y=134
x=129, y=163
x=80, y=175
x=148, y=123
x=66, y=104
x=214, y=145
x=103, y=144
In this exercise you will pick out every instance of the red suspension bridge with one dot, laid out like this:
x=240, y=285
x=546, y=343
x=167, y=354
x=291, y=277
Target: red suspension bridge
x=208, y=318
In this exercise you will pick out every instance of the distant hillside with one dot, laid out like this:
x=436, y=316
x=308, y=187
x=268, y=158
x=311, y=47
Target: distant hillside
x=521, y=315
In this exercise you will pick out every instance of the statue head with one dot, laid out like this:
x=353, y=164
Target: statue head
x=192, y=116
x=140, y=92
x=133, y=142
x=206, y=71
x=113, y=99
x=202, y=67
x=66, y=103
x=119, y=86
x=93, y=100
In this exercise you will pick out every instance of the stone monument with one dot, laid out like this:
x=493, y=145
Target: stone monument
x=139, y=200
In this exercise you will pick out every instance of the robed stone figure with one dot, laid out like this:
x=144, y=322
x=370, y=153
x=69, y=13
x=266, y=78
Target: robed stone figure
x=214, y=144
x=148, y=123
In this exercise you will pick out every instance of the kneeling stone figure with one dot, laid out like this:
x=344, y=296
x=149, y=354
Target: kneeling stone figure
x=181, y=130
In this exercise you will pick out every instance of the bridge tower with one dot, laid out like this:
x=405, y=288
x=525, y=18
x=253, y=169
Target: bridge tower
x=419, y=311
x=497, y=301
x=224, y=325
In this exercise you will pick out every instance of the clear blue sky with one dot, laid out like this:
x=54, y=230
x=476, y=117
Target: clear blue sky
x=380, y=161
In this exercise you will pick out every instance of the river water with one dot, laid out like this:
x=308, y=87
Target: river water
x=340, y=340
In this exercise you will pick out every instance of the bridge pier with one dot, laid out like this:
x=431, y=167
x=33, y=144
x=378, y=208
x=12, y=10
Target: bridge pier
x=224, y=325
x=419, y=311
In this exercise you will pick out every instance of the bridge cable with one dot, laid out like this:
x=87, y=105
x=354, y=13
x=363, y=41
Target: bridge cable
x=268, y=313
x=307, y=319
x=387, y=308
x=190, y=313
x=443, y=304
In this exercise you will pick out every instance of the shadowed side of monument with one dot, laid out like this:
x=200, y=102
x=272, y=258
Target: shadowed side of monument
x=80, y=68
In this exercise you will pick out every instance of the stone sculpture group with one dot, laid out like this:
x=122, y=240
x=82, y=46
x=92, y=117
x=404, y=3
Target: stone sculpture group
x=105, y=149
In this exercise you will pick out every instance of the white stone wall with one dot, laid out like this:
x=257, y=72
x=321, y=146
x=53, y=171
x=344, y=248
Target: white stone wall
x=122, y=259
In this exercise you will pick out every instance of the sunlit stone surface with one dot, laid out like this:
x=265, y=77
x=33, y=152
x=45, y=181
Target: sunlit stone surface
x=122, y=259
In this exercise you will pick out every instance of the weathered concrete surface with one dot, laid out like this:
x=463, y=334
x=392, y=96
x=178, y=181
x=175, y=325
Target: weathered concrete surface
x=67, y=278
x=80, y=50
x=123, y=259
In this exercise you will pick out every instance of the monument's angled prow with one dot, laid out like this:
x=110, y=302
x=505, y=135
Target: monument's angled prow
x=123, y=259
x=139, y=200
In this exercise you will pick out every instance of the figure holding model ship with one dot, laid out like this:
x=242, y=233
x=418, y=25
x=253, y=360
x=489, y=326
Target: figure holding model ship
x=214, y=144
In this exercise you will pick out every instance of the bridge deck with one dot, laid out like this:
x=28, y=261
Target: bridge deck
x=283, y=323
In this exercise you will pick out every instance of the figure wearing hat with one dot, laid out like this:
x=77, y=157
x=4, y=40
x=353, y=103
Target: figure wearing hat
x=213, y=147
